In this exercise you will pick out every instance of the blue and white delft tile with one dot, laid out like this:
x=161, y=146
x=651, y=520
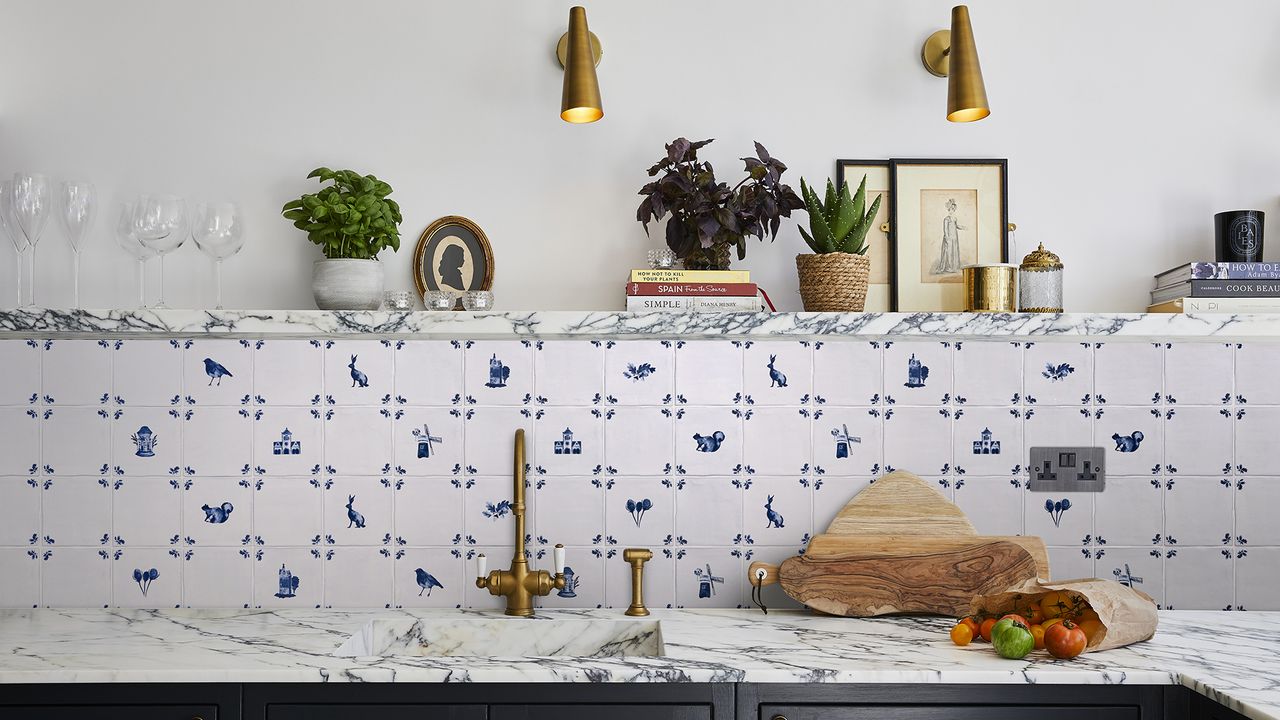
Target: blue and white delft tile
x=428, y=511
x=1062, y=519
x=638, y=440
x=640, y=511
x=1255, y=440
x=993, y=504
x=830, y=495
x=219, y=577
x=147, y=512
x=357, y=577
x=777, y=440
x=21, y=377
x=1199, y=511
x=918, y=440
x=709, y=440
x=989, y=373
x=288, y=511
x=1256, y=499
x=20, y=438
x=428, y=372
x=145, y=440
x=1070, y=563
x=429, y=577
x=147, y=577
x=847, y=440
x=778, y=372
x=1198, y=373
x=988, y=441
x=1133, y=438
x=918, y=373
x=77, y=577
x=216, y=372
x=848, y=373
x=570, y=440
x=149, y=372
x=289, y=372
x=358, y=511
x=488, y=518
x=77, y=512
x=1256, y=379
x=639, y=372
x=1141, y=568
x=217, y=511
x=571, y=509
x=1198, y=440
x=1130, y=511
x=357, y=440
x=489, y=438
x=20, y=499
x=1128, y=373
x=1199, y=578
x=288, y=440
x=1057, y=373
x=427, y=441
x=1257, y=582
x=778, y=511
x=21, y=588
x=358, y=372
x=76, y=372
x=289, y=578
x=569, y=372
x=1049, y=426
x=709, y=511
x=217, y=440
x=709, y=373
x=499, y=373
x=585, y=573
x=710, y=577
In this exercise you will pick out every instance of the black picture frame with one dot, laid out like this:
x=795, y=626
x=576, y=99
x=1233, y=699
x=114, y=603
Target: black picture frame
x=895, y=240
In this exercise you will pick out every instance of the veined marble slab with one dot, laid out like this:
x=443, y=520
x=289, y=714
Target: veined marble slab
x=1231, y=657
x=569, y=323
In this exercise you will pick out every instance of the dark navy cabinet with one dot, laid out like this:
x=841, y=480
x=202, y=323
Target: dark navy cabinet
x=110, y=701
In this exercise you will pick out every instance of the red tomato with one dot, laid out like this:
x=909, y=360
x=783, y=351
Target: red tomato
x=1064, y=640
x=985, y=629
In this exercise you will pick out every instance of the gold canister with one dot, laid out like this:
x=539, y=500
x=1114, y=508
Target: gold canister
x=990, y=288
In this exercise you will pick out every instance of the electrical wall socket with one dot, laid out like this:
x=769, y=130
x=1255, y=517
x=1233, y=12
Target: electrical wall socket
x=1068, y=469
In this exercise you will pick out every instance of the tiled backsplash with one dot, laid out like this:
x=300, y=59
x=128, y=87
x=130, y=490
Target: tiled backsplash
x=358, y=473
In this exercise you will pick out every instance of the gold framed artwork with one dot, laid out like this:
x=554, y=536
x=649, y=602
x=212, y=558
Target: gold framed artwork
x=879, y=288
x=945, y=214
x=453, y=254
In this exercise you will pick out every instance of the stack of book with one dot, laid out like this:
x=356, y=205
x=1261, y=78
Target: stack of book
x=689, y=290
x=1224, y=287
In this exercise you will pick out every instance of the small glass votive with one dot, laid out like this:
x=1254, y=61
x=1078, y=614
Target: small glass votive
x=439, y=300
x=475, y=300
x=399, y=300
x=662, y=259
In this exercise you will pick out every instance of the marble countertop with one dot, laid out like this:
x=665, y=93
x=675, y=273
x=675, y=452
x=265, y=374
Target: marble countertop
x=1231, y=657
x=42, y=323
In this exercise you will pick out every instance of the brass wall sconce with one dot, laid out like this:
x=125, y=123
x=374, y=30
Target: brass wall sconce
x=952, y=54
x=579, y=52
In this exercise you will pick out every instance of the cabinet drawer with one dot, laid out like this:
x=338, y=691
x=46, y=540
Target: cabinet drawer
x=947, y=712
x=109, y=712
x=600, y=712
x=342, y=711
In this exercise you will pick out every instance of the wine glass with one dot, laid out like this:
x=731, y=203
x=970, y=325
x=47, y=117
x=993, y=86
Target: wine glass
x=160, y=222
x=10, y=227
x=218, y=229
x=77, y=205
x=31, y=198
x=127, y=237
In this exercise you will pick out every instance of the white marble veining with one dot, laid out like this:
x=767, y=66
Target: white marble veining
x=1229, y=657
x=567, y=323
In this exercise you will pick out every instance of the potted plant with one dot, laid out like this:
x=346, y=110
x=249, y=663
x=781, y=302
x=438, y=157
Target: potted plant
x=352, y=220
x=707, y=216
x=834, y=278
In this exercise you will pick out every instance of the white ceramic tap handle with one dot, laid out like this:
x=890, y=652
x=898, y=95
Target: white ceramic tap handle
x=482, y=566
x=558, y=553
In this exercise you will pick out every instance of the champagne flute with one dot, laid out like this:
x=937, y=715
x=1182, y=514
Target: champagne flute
x=218, y=229
x=78, y=203
x=10, y=227
x=161, y=224
x=31, y=198
x=127, y=237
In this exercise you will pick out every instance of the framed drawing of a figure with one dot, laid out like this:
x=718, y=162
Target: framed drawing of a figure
x=945, y=214
x=453, y=254
x=879, y=287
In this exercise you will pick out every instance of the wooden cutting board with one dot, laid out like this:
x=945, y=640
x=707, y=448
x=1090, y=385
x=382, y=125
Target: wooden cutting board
x=899, y=546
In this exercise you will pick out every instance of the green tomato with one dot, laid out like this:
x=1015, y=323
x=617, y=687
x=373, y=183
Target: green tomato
x=1011, y=639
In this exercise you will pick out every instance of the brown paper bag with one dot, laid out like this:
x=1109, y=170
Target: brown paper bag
x=1127, y=615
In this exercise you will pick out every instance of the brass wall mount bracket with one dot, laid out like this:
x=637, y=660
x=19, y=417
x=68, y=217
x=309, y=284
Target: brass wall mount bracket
x=637, y=557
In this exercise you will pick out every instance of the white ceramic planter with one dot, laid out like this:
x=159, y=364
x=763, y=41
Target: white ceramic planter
x=347, y=284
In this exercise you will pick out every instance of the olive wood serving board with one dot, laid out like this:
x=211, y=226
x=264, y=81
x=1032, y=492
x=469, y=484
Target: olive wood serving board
x=899, y=546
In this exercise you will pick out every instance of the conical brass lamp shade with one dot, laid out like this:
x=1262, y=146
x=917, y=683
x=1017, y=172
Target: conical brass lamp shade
x=966, y=94
x=580, y=101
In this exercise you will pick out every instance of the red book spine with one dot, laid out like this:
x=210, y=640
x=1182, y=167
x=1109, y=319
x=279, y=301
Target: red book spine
x=649, y=289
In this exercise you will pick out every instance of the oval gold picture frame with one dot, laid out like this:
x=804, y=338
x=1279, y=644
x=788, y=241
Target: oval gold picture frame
x=474, y=259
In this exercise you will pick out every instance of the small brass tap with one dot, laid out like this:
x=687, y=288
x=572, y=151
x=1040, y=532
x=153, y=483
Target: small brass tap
x=637, y=557
x=520, y=584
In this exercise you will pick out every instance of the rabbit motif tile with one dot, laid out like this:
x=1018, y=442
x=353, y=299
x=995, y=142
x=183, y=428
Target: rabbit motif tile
x=326, y=472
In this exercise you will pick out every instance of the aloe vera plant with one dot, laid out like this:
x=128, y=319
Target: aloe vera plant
x=838, y=223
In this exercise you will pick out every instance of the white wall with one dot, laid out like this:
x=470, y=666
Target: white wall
x=1126, y=124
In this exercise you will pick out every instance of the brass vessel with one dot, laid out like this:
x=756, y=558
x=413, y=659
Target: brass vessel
x=990, y=288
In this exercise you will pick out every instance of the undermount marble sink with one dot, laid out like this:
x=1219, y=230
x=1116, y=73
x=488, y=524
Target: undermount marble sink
x=505, y=637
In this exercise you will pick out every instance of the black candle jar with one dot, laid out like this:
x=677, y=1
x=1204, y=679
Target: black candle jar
x=1238, y=236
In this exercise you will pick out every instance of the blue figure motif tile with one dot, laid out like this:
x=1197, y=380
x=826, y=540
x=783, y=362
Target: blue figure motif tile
x=354, y=518
x=148, y=441
x=710, y=442
x=566, y=445
x=215, y=371
x=639, y=512
x=144, y=578
x=637, y=509
x=776, y=378
x=775, y=519
x=425, y=440
x=1056, y=509
x=287, y=585
x=426, y=581
x=844, y=440
x=358, y=378
x=986, y=445
x=286, y=445
x=217, y=514
x=1055, y=373
x=778, y=373
x=496, y=510
x=571, y=582
x=1128, y=443
x=707, y=581
x=145, y=442
x=638, y=373
x=498, y=373
x=501, y=373
x=917, y=373
x=356, y=372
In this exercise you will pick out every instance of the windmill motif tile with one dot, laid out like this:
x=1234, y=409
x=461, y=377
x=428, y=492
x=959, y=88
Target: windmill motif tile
x=147, y=511
x=988, y=441
x=1199, y=578
x=217, y=511
x=778, y=372
x=1131, y=511
x=569, y=372
x=570, y=509
x=489, y=439
x=918, y=373
x=499, y=372
x=1256, y=380
x=1141, y=568
x=847, y=440
x=639, y=440
x=358, y=511
x=77, y=578
x=778, y=440
x=217, y=372
x=428, y=511
x=289, y=372
x=1255, y=437
x=147, y=578
x=358, y=372
x=217, y=440
x=1133, y=437
x=640, y=512
x=428, y=372
x=358, y=577
x=147, y=372
x=20, y=498
x=708, y=440
x=76, y=511
x=1199, y=511
x=659, y=581
x=1199, y=373
x=1257, y=583
x=357, y=440
x=147, y=440
x=1057, y=373
x=639, y=372
x=710, y=577
x=289, y=441
x=20, y=439
x=1128, y=373
x=21, y=588
x=993, y=504
x=1198, y=440
x=21, y=377
x=288, y=577
x=288, y=511
x=847, y=373
x=76, y=372
x=429, y=577
x=709, y=511
x=708, y=372
x=777, y=511
x=428, y=441
x=988, y=373
x=217, y=577
x=1256, y=499
x=1062, y=519
x=570, y=440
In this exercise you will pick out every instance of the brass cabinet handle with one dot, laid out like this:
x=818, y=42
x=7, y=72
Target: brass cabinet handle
x=779, y=717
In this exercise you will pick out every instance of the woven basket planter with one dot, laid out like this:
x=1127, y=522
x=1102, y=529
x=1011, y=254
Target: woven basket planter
x=833, y=282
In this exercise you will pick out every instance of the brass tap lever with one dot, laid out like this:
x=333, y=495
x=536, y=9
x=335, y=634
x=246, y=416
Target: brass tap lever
x=637, y=557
